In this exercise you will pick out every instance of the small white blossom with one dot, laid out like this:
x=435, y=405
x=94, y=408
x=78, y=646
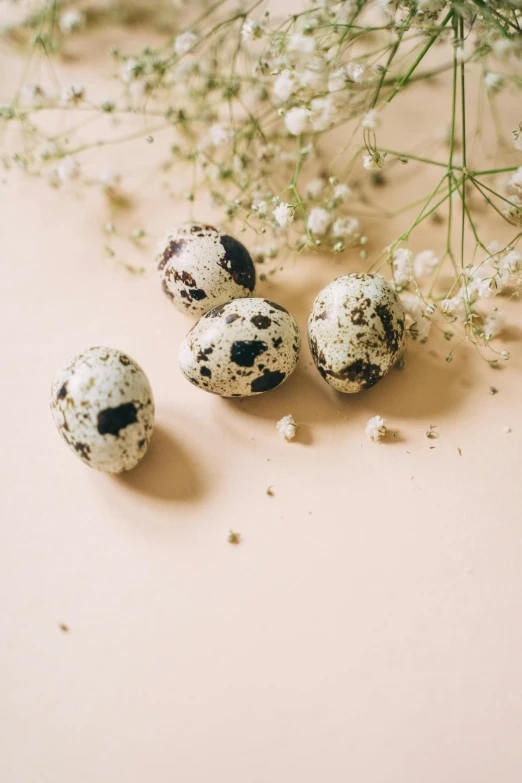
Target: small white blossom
x=513, y=209
x=319, y=220
x=296, y=120
x=451, y=305
x=493, y=81
x=286, y=427
x=283, y=214
x=260, y=207
x=415, y=309
x=516, y=179
x=371, y=119
x=402, y=266
x=251, y=31
x=342, y=192
x=301, y=43
x=375, y=428
x=285, y=85
x=322, y=113
x=482, y=287
x=184, y=43
x=337, y=80
x=508, y=429
x=511, y=262
x=494, y=323
x=129, y=70
x=315, y=187
x=425, y=263
x=373, y=162
x=71, y=20
x=137, y=90
x=356, y=72
x=68, y=169
x=32, y=91
x=109, y=179
x=346, y=227
x=219, y=135
x=73, y=93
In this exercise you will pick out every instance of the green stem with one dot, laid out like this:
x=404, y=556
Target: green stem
x=421, y=56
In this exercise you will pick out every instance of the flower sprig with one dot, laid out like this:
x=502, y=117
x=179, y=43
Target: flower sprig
x=279, y=122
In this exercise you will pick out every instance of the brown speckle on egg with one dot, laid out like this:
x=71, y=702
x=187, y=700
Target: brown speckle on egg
x=239, y=363
x=201, y=268
x=102, y=405
x=355, y=331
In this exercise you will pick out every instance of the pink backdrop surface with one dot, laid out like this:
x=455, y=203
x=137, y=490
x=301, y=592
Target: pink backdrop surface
x=368, y=626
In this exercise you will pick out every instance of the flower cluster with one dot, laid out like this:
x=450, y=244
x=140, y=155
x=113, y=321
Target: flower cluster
x=279, y=122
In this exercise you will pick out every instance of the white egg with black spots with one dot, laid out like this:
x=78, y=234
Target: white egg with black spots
x=241, y=348
x=356, y=331
x=201, y=268
x=103, y=407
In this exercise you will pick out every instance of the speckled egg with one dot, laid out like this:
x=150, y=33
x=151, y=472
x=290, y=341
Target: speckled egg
x=356, y=331
x=201, y=268
x=103, y=407
x=241, y=348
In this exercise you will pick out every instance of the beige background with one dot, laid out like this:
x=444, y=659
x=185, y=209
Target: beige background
x=367, y=628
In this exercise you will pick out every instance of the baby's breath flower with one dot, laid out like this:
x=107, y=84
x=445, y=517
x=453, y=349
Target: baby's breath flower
x=375, y=428
x=283, y=214
x=342, y=192
x=401, y=264
x=130, y=70
x=322, y=113
x=296, y=120
x=425, y=263
x=68, y=169
x=260, y=207
x=32, y=91
x=184, y=43
x=301, y=43
x=516, y=179
x=251, y=31
x=415, y=309
x=451, y=305
x=219, y=135
x=371, y=119
x=285, y=85
x=337, y=80
x=346, y=227
x=71, y=21
x=493, y=81
x=73, y=93
x=494, y=323
x=109, y=179
x=315, y=187
x=373, y=162
x=356, y=72
x=319, y=220
x=107, y=105
x=286, y=427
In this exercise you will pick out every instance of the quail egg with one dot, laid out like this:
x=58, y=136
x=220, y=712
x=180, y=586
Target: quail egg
x=356, y=331
x=201, y=268
x=103, y=407
x=241, y=348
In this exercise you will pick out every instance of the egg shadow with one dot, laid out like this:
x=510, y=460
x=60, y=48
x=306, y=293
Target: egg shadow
x=428, y=386
x=166, y=472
